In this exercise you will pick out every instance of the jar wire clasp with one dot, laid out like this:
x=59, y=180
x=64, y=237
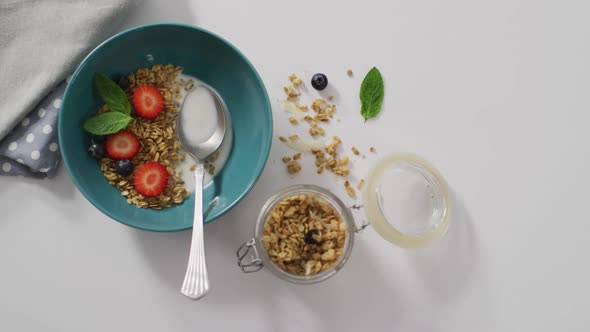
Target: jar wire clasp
x=364, y=224
x=248, y=259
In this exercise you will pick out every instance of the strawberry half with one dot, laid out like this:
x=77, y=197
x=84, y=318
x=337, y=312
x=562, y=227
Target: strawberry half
x=150, y=179
x=148, y=101
x=122, y=145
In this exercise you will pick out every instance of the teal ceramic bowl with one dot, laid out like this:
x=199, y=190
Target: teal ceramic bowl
x=203, y=55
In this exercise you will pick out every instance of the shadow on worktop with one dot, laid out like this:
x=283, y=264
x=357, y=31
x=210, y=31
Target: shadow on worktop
x=446, y=267
x=61, y=185
x=155, y=11
x=363, y=287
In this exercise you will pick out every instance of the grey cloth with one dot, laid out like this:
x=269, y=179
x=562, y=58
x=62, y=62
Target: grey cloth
x=41, y=42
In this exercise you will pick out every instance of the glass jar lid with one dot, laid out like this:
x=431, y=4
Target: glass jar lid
x=407, y=201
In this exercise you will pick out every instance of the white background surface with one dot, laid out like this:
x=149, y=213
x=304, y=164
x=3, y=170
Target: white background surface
x=494, y=93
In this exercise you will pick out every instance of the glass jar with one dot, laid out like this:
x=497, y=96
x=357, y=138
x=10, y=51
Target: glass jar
x=405, y=198
x=256, y=248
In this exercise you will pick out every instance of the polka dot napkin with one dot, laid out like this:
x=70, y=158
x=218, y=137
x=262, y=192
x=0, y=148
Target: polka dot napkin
x=31, y=148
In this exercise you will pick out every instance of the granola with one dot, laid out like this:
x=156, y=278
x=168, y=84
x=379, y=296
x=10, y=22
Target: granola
x=303, y=235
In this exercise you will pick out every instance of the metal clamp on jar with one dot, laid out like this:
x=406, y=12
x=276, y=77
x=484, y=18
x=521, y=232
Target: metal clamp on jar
x=405, y=199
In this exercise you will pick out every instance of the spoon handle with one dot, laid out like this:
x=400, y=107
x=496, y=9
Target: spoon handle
x=196, y=281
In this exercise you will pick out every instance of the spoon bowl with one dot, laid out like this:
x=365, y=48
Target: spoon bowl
x=201, y=150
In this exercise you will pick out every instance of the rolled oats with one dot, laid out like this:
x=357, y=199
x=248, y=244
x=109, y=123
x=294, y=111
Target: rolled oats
x=157, y=137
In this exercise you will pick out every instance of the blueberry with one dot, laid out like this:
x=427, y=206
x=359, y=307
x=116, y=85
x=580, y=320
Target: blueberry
x=124, y=82
x=124, y=167
x=96, y=150
x=319, y=81
x=309, y=237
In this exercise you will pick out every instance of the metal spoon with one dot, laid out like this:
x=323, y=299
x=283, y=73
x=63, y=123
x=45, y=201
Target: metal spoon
x=196, y=281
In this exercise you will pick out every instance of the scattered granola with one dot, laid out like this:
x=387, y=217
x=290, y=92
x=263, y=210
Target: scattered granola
x=372, y=149
x=349, y=73
x=297, y=156
x=282, y=138
x=304, y=235
x=286, y=159
x=326, y=156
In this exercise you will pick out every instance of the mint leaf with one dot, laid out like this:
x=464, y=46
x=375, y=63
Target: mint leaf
x=112, y=95
x=106, y=123
x=371, y=94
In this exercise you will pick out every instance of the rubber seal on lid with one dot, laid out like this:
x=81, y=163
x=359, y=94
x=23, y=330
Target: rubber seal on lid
x=407, y=201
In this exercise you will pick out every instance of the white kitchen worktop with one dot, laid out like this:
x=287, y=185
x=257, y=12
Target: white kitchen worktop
x=496, y=94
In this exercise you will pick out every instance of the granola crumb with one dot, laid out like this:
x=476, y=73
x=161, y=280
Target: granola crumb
x=293, y=138
x=293, y=167
x=372, y=149
x=355, y=151
x=189, y=85
x=291, y=92
x=297, y=156
x=349, y=73
x=295, y=80
x=286, y=159
x=293, y=120
x=320, y=169
x=350, y=191
x=303, y=108
x=343, y=162
x=330, y=98
x=282, y=139
x=360, y=184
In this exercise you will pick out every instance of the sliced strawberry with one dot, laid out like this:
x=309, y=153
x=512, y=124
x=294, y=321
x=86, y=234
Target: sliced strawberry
x=122, y=145
x=148, y=101
x=150, y=179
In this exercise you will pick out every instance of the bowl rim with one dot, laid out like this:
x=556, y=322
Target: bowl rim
x=265, y=148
